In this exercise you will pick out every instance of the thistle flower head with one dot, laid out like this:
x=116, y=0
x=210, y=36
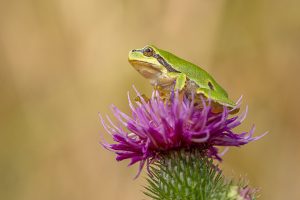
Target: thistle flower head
x=157, y=126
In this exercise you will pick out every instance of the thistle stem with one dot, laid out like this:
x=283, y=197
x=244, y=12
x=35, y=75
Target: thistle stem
x=189, y=175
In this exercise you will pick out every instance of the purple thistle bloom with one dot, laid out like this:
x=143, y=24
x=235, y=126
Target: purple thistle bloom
x=157, y=126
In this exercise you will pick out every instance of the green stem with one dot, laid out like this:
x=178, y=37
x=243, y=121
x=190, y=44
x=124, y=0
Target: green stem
x=188, y=175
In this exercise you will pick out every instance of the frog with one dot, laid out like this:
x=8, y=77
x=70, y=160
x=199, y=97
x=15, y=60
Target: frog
x=170, y=72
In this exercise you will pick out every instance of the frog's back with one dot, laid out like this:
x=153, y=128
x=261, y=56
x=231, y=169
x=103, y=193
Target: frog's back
x=205, y=83
x=192, y=71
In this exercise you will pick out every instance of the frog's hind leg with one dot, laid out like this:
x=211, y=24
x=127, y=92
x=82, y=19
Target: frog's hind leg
x=205, y=93
x=217, y=107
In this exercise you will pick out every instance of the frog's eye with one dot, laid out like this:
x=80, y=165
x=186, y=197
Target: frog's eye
x=148, y=51
x=210, y=85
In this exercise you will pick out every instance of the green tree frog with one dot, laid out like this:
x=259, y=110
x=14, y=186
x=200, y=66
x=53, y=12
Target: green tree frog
x=166, y=70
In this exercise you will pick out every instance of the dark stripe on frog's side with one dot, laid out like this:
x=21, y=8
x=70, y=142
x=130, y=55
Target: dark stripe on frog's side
x=160, y=59
x=164, y=63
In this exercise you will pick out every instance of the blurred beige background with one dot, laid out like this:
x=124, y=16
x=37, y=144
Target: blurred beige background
x=63, y=61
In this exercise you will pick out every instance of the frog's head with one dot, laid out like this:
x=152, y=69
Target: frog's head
x=146, y=61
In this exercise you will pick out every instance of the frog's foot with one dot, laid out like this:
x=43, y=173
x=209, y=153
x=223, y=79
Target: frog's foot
x=163, y=92
x=166, y=93
x=218, y=108
x=141, y=98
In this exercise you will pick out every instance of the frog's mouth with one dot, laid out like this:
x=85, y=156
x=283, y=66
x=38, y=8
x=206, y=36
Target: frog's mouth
x=148, y=70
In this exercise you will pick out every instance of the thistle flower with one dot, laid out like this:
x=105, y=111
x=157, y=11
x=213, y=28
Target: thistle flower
x=157, y=126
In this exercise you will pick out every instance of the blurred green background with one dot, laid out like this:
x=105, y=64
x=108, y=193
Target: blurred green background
x=63, y=61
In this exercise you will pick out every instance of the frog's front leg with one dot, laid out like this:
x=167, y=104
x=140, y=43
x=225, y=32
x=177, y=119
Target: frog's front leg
x=180, y=80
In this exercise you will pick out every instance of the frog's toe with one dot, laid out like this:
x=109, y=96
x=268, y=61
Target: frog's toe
x=141, y=98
